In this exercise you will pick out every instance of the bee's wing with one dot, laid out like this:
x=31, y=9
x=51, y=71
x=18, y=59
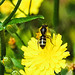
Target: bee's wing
x=51, y=30
x=48, y=33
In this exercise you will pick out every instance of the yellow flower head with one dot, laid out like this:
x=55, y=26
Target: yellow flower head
x=45, y=61
x=7, y=7
x=24, y=6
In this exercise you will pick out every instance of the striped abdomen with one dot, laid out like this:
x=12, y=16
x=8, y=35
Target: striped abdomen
x=42, y=41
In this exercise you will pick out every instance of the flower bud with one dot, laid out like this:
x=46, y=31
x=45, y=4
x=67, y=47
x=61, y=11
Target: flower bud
x=12, y=28
x=12, y=43
x=7, y=62
x=15, y=72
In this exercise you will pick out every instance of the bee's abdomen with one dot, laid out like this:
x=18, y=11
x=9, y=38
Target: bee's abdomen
x=42, y=42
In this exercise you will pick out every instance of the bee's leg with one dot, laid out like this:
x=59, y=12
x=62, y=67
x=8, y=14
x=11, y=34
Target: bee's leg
x=38, y=43
x=49, y=37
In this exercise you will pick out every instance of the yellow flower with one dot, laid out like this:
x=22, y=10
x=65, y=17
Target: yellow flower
x=6, y=7
x=24, y=6
x=45, y=61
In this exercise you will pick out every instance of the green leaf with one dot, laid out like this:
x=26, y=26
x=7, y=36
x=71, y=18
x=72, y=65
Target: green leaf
x=17, y=63
x=24, y=19
x=64, y=71
x=1, y=27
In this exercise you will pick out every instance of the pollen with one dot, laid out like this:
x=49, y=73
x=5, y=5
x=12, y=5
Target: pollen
x=38, y=35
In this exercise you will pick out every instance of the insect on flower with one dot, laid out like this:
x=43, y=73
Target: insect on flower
x=43, y=35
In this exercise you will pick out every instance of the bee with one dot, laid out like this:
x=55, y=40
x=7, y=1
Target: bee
x=42, y=40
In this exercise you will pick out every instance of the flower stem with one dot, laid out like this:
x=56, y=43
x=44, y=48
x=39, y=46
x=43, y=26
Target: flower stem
x=2, y=2
x=74, y=72
x=29, y=7
x=74, y=51
x=56, y=13
x=13, y=12
x=3, y=50
x=20, y=39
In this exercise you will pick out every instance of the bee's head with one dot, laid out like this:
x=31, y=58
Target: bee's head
x=44, y=26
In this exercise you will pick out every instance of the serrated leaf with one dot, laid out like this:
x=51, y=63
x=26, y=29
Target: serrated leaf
x=24, y=19
x=17, y=63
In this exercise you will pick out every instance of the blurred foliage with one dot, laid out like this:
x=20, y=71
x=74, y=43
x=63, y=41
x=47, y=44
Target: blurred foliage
x=27, y=30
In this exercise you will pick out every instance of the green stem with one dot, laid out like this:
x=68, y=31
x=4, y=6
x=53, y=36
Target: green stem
x=13, y=12
x=74, y=50
x=2, y=2
x=20, y=39
x=29, y=7
x=3, y=50
x=56, y=13
x=74, y=72
x=19, y=9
